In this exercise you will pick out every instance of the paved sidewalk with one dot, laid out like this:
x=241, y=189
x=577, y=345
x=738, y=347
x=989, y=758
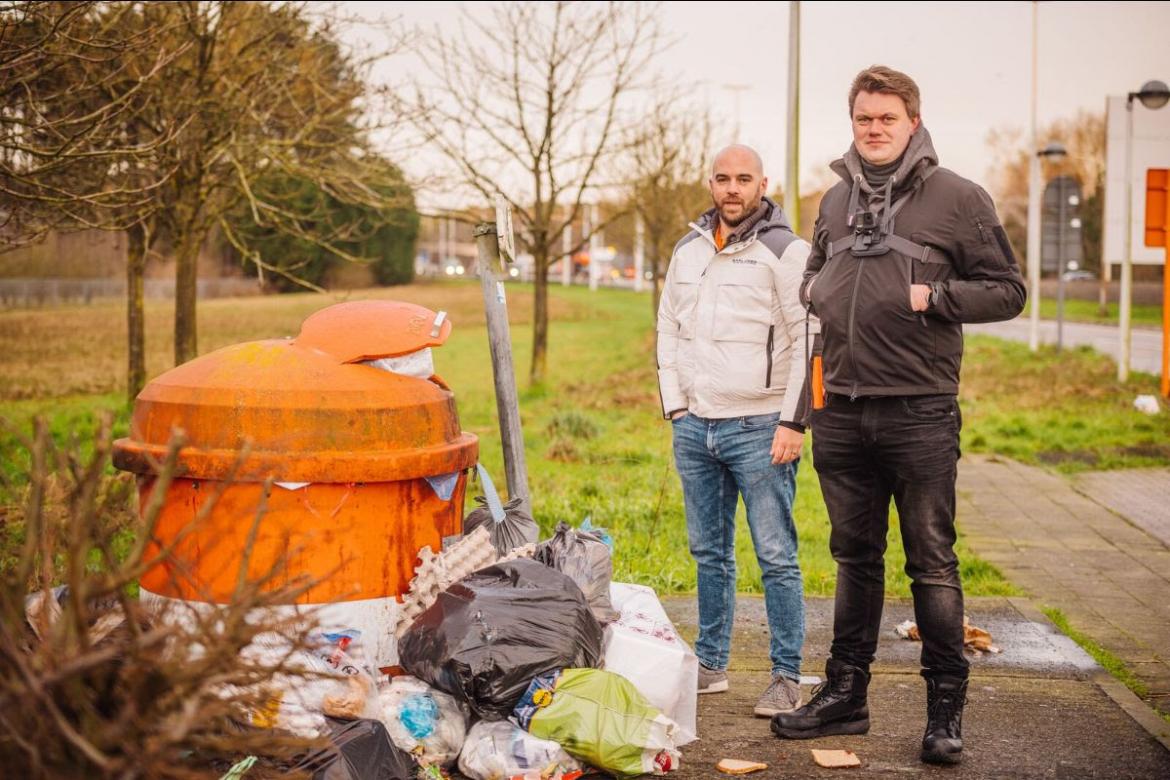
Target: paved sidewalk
x=1141, y=496
x=1110, y=577
x=1040, y=709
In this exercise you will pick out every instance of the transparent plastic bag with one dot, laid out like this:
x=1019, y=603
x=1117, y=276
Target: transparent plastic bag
x=587, y=560
x=501, y=749
x=422, y=721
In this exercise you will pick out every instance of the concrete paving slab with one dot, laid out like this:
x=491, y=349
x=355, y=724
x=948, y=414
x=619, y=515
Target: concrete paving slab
x=1139, y=495
x=1036, y=710
x=1108, y=576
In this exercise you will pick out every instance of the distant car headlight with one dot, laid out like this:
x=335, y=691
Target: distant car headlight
x=459, y=270
x=450, y=271
x=513, y=272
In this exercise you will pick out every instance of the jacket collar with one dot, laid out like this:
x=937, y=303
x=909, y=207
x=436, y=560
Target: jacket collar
x=919, y=161
x=770, y=216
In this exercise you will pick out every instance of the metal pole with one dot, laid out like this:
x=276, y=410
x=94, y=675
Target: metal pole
x=500, y=342
x=1127, y=260
x=792, y=162
x=1034, y=202
x=639, y=252
x=1060, y=190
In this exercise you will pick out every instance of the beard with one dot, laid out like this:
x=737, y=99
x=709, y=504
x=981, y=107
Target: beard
x=749, y=207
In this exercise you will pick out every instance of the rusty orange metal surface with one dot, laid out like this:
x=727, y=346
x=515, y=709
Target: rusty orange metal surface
x=367, y=330
x=354, y=541
x=304, y=410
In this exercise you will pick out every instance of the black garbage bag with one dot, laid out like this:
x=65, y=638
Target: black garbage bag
x=490, y=633
x=587, y=560
x=361, y=750
x=508, y=525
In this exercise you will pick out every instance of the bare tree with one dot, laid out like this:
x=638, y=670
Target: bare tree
x=668, y=162
x=75, y=153
x=71, y=76
x=269, y=91
x=533, y=105
x=94, y=683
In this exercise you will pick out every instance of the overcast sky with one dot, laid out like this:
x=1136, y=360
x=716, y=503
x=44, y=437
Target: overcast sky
x=972, y=61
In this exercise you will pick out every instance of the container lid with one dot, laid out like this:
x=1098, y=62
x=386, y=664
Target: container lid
x=307, y=409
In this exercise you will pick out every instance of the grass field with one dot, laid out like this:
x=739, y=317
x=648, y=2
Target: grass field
x=595, y=440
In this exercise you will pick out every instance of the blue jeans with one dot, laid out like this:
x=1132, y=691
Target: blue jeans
x=719, y=460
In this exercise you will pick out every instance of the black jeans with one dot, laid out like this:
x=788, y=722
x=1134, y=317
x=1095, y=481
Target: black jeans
x=864, y=452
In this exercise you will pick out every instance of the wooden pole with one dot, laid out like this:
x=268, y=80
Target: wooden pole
x=499, y=340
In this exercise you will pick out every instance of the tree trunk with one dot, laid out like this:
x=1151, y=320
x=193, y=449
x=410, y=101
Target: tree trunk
x=136, y=247
x=186, y=274
x=536, y=374
x=656, y=273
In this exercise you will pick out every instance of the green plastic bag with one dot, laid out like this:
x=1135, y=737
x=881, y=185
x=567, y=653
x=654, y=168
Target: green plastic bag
x=600, y=718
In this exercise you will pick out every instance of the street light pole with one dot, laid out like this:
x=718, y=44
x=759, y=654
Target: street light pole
x=792, y=166
x=1123, y=313
x=1034, y=204
x=1060, y=265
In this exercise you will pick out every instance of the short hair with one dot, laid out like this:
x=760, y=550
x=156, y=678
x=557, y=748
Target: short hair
x=879, y=78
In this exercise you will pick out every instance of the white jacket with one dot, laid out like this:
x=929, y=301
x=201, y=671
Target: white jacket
x=731, y=328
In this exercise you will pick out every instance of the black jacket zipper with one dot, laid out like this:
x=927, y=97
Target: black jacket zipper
x=771, y=336
x=852, y=313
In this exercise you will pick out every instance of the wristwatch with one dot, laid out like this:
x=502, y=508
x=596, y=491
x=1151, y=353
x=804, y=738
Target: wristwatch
x=933, y=299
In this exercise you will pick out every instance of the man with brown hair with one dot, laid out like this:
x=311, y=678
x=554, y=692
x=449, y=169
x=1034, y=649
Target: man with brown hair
x=904, y=252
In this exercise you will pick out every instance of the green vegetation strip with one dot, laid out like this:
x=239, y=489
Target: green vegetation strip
x=596, y=443
x=1111, y=663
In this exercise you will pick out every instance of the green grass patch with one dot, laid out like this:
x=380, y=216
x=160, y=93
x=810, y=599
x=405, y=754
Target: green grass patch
x=595, y=440
x=1064, y=410
x=1108, y=661
x=1076, y=310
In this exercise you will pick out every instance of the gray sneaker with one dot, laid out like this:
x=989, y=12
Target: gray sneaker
x=783, y=695
x=712, y=680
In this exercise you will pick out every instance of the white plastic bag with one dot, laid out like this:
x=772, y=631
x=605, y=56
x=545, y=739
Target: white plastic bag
x=642, y=646
x=420, y=364
x=330, y=677
x=422, y=721
x=497, y=750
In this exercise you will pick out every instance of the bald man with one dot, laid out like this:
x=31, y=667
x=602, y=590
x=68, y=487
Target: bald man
x=731, y=372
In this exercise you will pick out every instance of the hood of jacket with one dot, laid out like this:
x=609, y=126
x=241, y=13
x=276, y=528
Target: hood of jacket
x=919, y=161
x=769, y=216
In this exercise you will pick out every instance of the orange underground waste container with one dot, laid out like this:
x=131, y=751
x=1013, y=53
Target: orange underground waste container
x=359, y=467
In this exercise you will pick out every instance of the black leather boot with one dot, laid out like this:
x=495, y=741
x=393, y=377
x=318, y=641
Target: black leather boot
x=838, y=706
x=943, y=741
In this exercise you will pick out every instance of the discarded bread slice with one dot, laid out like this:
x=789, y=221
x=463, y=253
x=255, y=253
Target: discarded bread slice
x=834, y=759
x=734, y=766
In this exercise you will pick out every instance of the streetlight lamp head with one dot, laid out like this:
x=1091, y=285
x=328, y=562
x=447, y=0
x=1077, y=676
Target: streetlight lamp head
x=1154, y=94
x=1054, y=151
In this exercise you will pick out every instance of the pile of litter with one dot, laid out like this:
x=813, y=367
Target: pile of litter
x=521, y=660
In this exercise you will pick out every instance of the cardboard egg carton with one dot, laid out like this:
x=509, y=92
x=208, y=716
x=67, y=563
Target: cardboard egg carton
x=436, y=571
